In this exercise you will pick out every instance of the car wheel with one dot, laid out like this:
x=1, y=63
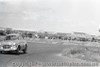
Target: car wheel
x=18, y=50
x=1, y=52
x=25, y=49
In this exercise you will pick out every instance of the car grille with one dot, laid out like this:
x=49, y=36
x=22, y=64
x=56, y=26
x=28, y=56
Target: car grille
x=6, y=46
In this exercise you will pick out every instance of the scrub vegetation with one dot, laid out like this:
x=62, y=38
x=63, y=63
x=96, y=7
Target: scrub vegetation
x=88, y=53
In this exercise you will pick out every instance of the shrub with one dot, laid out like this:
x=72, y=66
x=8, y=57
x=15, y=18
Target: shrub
x=84, y=53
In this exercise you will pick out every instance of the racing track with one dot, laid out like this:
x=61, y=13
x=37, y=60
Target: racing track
x=37, y=53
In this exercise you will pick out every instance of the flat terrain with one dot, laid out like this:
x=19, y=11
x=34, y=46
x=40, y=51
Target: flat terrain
x=40, y=53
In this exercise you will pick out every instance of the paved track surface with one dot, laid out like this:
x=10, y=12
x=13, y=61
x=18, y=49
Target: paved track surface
x=38, y=54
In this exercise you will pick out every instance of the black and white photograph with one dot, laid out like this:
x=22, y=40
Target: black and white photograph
x=49, y=33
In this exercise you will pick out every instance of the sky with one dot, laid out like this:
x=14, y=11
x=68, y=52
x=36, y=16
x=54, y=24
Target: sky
x=51, y=15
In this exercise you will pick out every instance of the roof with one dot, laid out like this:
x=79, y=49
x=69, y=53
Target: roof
x=13, y=34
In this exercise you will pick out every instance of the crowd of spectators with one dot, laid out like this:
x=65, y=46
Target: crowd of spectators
x=75, y=36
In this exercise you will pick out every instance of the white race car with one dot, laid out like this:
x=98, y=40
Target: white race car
x=13, y=43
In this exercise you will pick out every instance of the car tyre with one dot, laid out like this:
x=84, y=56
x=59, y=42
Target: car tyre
x=18, y=50
x=1, y=52
x=25, y=49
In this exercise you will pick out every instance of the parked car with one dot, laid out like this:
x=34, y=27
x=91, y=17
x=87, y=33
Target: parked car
x=13, y=43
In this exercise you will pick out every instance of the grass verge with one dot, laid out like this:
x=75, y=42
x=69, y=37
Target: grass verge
x=83, y=52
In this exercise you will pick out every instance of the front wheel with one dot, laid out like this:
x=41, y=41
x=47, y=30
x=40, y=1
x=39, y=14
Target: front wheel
x=18, y=50
x=25, y=49
x=1, y=52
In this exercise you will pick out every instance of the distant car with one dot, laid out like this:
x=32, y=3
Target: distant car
x=13, y=43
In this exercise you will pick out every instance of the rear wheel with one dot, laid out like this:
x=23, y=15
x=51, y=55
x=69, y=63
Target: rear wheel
x=25, y=49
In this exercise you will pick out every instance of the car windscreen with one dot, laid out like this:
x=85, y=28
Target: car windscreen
x=11, y=37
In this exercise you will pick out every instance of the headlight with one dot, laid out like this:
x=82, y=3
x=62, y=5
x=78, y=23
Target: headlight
x=14, y=47
x=14, y=44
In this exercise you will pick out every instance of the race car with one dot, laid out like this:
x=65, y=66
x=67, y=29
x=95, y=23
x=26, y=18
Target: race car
x=13, y=43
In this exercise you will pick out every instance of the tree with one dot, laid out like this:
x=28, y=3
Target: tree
x=8, y=30
x=2, y=33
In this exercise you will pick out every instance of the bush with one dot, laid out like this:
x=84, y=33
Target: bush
x=84, y=53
